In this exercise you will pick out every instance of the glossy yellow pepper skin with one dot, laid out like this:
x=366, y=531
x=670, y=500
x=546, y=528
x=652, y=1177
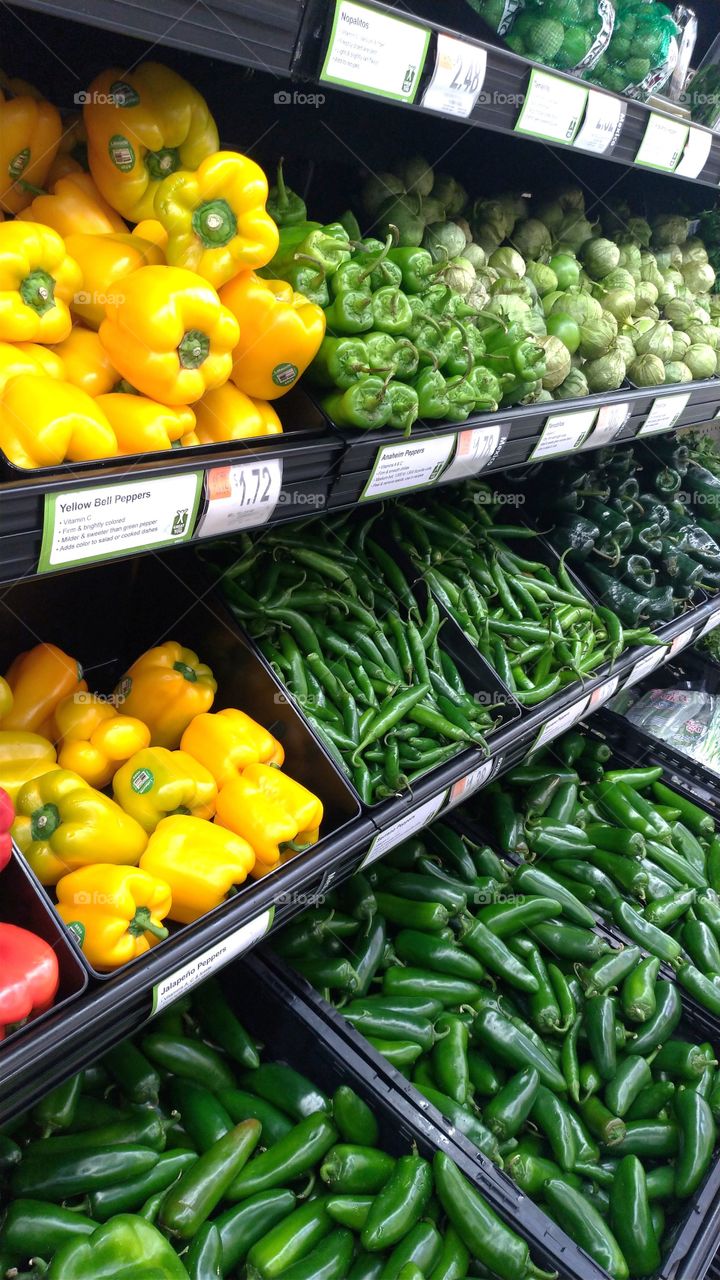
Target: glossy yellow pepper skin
x=93, y=739
x=156, y=783
x=39, y=679
x=280, y=333
x=38, y=280
x=74, y=205
x=165, y=688
x=199, y=860
x=152, y=230
x=142, y=425
x=44, y=422
x=274, y=813
x=228, y=414
x=6, y=698
x=105, y=260
x=62, y=823
x=27, y=357
x=30, y=132
x=116, y=912
x=226, y=742
x=215, y=217
x=169, y=334
x=23, y=756
x=85, y=362
x=142, y=126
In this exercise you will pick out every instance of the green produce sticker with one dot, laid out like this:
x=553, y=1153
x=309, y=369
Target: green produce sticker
x=123, y=94
x=121, y=153
x=19, y=164
x=142, y=781
x=283, y=375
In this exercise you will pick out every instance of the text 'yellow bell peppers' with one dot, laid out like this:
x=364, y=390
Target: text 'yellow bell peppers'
x=168, y=333
x=93, y=739
x=226, y=742
x=143, y=125
x=62, y=823
x=38, y=280
x=115, y=912
x=156, y=783
x=280, y=333
x=275, y=814
x=44, y=422
x=165, y=688
x=216, y=219
x=200, y=861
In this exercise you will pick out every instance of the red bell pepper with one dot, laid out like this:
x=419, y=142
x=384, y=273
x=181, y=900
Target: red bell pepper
x=7, y=815
x=29, y=976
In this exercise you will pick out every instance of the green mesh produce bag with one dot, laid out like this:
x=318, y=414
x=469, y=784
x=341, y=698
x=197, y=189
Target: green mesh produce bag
x=568, y=34
x=642, y=52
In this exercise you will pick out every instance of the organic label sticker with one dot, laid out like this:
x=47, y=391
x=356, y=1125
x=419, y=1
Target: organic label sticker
x=283, y=375
x=123, y=94
x=121, y=153
x=375, y=51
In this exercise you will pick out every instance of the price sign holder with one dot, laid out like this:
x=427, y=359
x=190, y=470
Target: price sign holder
x=242, y=496
x=564, y=432
x=458, y=77
x=553, y=108
x=414, y=464
x=602, y=124
x=405, y=827
x=664, y=413
x=475, y=450
x=375, y=52
x=663, y=143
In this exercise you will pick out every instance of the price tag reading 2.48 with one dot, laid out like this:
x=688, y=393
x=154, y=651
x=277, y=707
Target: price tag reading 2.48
x=458, y=77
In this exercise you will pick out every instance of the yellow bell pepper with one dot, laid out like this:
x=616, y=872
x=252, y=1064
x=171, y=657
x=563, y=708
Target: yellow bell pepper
x=15, y=87
x=62, y=165
x=105, y=261
x=6, y=698
x=116, y=912
x=200, y=861
x=37, y=281
x=94, y=739
x=280, y=333
x=152, y=230
x=44, y=422
x=74, y=205
x=169, y=334
x=156, y=783
x=142, y=425
x=273, y=812
x=226, y=742
x=47, y=360
x=30, y=132
x=165, y=688
x=62, y=823
x=271, y=422
x=216, y=219
x=23, y=756
x=24, y=357
x=142, y=126
x=39, y=679
x=86, y=363
x=228, y=414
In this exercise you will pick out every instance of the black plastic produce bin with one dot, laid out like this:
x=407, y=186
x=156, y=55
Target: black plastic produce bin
x=107, y=616
x=693, y=1238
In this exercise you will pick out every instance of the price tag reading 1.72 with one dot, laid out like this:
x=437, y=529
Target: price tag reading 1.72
x=458, y=77
x=241, y=497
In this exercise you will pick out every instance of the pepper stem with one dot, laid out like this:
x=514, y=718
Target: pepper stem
x=142, y=922
x=193, y=350
x=37, y=291
x=380, y=257
x=214, y=223
x=163, y=162
x=185, y=671
x=44, y=822
x=282, y=201
x=306, y=257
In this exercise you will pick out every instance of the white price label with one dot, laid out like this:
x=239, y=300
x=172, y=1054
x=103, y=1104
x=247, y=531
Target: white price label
x=475, y=450
x=663, y=143
x=240, y=497
x=83, y=526
x=410, y=465
x=182, y=980
x=458, y=77
x=405, y=827
x=696, y=154
x=472, y=782
x=664, y=413
x=603, y=693
x=680, y=642
x=712, y=623
x=559, y=723
x=645, y=665
x=375, y=51
x=610, y=421
x=553, y=108
x=563, y=432
x=603, y=122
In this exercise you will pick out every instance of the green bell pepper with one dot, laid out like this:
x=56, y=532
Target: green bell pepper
x=126, y=1248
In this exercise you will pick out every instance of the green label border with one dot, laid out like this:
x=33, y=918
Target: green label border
x=663, y=168
x=326, y=78
x=51, y=500
x=548, y=137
